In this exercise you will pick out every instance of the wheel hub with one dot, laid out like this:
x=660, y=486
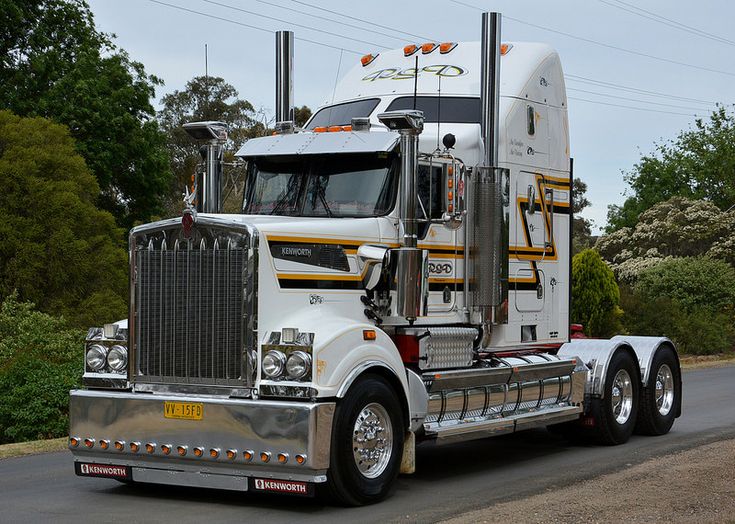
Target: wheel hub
x=622, y=396
x=372, y=440
x=664, y=389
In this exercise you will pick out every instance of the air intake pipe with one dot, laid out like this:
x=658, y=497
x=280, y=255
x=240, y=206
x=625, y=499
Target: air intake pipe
x=488, y=234
x=284, y=81
x=208, y=192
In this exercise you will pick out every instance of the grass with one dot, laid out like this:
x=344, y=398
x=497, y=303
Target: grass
x=32, y=447
x=707, y=361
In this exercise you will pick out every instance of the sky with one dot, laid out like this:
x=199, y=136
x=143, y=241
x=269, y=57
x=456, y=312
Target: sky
x=601, y=42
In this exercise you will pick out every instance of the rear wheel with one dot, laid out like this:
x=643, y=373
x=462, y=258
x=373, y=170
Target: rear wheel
x=616, y=412
x=661, y=399
x=367, y=443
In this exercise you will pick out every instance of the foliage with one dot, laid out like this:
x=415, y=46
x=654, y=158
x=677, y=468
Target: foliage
x=301, y=115
x=41, y=359
x=679, y=227
x=698, y=164
x=581, y=227
x=56, y=248
x=595, y=295
x=54, y=63
x=690, y=300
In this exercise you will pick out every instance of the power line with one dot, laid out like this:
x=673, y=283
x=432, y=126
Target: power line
x=220, y=4
x=242, y=24
x=307, y=4
x=327, y=19
x=601, y=83
x=629, y=107
x=602, y=44
x=634, y=99
x=639, y=11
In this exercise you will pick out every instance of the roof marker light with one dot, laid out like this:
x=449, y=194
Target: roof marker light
x=368, y=59
x=446, y=47
x=504, y=48
x=410, y=49
x=428, y=47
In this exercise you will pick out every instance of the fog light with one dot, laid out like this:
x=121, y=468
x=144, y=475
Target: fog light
x=300, y=459
x=214, y=453
x=166, y=448
x=74, y=442
x=198, y=452
x=182, y=450
x=265, y=456
x=135, y=447
x=231, y=454
x=119, y=445
x=248, y=454
x=150, y=447
x=104, y=444
x=283, y=458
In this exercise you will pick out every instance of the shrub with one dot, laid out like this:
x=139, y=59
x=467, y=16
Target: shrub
x=595, y=295
x=41, y=359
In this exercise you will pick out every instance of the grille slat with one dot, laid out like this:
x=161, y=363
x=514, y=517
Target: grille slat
x=189, y=312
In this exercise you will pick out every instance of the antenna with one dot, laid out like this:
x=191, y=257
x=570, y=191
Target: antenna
x=439, y=113
x=415, y=80
x=206, y=76
x=334, y=89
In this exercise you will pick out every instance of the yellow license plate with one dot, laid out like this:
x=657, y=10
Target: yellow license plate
x=183, y=410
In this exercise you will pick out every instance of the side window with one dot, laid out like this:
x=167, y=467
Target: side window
x=531, y=120
x=429, y=190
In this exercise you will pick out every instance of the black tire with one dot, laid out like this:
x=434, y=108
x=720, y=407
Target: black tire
x=345, y=482
x=609, y=428
x=652, y=418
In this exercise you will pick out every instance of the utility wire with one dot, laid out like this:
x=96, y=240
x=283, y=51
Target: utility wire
x=639, y=11
x=220, y=4
x=331, y=20
x=634, y=99
x=602, y=44
x=242, y=24
x=630, y=107
x=307, y=4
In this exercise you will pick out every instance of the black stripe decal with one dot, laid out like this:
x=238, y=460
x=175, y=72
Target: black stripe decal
x=289, y=283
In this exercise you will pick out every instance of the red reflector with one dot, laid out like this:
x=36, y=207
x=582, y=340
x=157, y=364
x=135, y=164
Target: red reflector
x=408, y=347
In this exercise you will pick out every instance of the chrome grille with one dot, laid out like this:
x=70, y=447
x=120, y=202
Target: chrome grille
x=190, y=298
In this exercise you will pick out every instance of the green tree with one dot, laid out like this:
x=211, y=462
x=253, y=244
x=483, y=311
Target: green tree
x=56, y=248
x=595, y=295
x=581, y=227
x=698, y=164
x=301, y=115
x=54, y=63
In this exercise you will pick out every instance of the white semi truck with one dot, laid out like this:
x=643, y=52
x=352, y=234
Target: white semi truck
x=400, y=273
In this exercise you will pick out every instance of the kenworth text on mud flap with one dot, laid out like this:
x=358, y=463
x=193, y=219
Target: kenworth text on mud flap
x=400, y=272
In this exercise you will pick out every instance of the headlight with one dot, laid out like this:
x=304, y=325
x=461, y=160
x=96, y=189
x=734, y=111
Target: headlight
x=298, y=365
x=117, y=358
x=96, y=357
x=274, y=362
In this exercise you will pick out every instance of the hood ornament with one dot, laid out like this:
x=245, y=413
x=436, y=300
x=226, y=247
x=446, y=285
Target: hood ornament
x=189, y=215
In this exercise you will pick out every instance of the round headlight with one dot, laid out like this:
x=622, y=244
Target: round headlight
x=117, y=358
x=298, y=364
x=96, y=357
x=274, y=362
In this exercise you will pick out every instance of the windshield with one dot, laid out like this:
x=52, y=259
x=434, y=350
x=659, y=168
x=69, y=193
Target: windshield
x=349, y=185
x=342, y=114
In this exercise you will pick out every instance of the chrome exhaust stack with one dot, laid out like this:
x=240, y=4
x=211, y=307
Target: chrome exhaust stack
x=284, y=82
x=409, y=264
x=209, y=184
x=488, y=236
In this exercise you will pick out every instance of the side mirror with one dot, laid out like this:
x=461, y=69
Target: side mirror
x=371, y=260
x=454, y=204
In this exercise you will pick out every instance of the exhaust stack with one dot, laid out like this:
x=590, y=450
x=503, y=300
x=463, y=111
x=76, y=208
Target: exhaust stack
x=488, y=240
x=284, y=80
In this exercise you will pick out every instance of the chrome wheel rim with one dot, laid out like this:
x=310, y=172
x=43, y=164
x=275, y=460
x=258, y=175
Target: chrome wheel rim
x=664, y=389
x=372, y=441
x=622, y=396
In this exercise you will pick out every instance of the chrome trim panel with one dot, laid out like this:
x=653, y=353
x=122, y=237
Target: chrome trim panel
x=418, y=400
x=276, y=426
x=319, y=143
x=596, y=354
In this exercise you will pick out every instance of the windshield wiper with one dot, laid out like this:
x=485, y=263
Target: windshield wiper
x=320, y=193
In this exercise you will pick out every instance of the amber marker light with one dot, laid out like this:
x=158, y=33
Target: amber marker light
x=504, y=48
x=410, y=49
x=248, y=455
x=265, y=456
x=300, y=459
x=446, y=47
x=231, y=454
x=120, y=445
x=150, y=447
x=89, y=442
x=74, y=442
x=369, y=334
x=135, y=447
x=214, y=453
x=181, y=450
x=282, y=458
x=428, y=47
x=320, y=129
x=104, y=444
x=166, y=448
x=198, y=452
x=367, y=59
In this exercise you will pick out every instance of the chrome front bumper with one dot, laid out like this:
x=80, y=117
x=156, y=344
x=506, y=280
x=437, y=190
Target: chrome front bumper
x=259, y=426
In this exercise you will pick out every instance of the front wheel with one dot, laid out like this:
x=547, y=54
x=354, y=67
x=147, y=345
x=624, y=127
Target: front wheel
x=367, y=443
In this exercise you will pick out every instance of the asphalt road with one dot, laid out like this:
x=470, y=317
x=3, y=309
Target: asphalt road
x=450, y=480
